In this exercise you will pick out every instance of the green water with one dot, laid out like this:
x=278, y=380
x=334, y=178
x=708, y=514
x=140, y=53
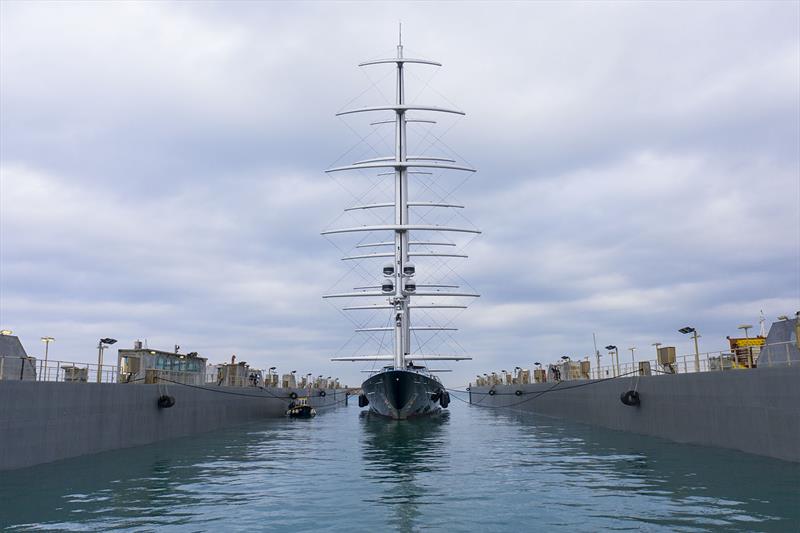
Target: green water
x=472, y=470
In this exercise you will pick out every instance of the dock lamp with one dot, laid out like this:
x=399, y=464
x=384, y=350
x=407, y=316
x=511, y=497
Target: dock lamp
x=695, y=336
x=657, y=345
x=633, y=357
x=270, y=370
x=46, y=341
x=102, y=345
x=614, y=351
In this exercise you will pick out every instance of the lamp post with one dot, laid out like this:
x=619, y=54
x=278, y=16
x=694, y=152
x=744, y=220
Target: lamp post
x=657, y=345
x=46, y=341
x=102, y=345
x=633, y=358
x=614, y=351
x=269, y=375
x=695, y=336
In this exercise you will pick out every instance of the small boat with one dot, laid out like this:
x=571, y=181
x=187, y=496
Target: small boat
x=300, y=409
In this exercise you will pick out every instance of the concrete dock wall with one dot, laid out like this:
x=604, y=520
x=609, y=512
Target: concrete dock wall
x=42, y=422
x=755, y=411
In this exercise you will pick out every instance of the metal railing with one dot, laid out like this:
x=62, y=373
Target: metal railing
x=770, y=355
x=32, y=369
x=709, y=361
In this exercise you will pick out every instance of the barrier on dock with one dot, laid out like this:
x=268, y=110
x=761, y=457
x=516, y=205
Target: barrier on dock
x=776, y=354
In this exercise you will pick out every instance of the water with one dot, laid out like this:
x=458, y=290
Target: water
x=475, y=469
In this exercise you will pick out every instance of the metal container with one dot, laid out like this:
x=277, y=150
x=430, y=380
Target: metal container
x=666, y=356
x=74, y=374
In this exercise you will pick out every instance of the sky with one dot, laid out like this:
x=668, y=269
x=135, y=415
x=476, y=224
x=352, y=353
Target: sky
x=162, y=174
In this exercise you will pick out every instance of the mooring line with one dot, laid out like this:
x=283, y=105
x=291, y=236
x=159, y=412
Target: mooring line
x=536, y=394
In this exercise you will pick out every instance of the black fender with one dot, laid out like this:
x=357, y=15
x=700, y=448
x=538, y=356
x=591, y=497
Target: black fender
x=444, y=399
x=322, y=393
x=492, y=392
x=630, y=398
x=518, y=392
x=165, y=401
x=293, y=395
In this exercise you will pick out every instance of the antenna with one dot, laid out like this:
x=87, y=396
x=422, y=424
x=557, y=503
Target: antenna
x=400, y=39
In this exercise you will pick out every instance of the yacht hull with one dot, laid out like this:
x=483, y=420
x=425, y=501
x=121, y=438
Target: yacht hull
x=402, y=394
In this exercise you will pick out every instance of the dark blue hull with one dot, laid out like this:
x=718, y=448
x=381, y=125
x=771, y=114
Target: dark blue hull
x=402, y=394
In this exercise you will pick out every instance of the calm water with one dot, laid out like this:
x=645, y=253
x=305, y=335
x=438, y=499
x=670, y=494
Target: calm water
x=476, y=469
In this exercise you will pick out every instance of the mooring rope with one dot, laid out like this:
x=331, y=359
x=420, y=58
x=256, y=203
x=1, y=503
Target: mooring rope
x=555, y=387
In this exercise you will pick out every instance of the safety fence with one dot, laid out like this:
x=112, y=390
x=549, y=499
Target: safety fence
x=764, y=356
x=778, y=354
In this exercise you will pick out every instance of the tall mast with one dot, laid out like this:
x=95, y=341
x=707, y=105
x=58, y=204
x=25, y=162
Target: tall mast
x=397, y=286
x=402, y=318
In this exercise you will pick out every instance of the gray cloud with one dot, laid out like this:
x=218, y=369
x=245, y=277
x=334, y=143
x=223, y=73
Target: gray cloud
x=161, y=177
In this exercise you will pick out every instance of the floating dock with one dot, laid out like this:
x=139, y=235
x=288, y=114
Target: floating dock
x=754, y=410
x=57, y=411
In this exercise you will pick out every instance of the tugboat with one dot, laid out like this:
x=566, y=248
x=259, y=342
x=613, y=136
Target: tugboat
x=300, y=408
x=404, y=388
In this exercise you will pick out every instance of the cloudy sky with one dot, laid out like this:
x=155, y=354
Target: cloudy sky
x=161, y=173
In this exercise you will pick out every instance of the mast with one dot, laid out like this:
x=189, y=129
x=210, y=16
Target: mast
x=402, y=318
x=398, y=285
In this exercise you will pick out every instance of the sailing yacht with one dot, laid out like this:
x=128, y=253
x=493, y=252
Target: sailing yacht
x=403, y=386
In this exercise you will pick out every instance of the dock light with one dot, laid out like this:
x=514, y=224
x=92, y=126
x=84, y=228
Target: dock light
x=6, y=332
x=102, y=345
x=656, y=344
x=613, y=351
x=46, y=341
x=565, y=357
x=633, y=357
x=782, y=317
x=695, y=336
x=746, y=328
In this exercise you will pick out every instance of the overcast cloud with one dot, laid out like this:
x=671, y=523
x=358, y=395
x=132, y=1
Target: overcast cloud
x=161, y=173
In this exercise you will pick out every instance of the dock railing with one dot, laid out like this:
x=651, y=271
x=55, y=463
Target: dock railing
x=32, y=369
x=778, y=354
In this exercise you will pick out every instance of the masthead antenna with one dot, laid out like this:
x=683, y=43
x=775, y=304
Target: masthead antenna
x=400, y=39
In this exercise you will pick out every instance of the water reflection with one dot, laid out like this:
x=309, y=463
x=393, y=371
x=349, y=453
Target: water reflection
x=149, y=485
x=401, y=459
x=476, y=469
x=680, y=485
